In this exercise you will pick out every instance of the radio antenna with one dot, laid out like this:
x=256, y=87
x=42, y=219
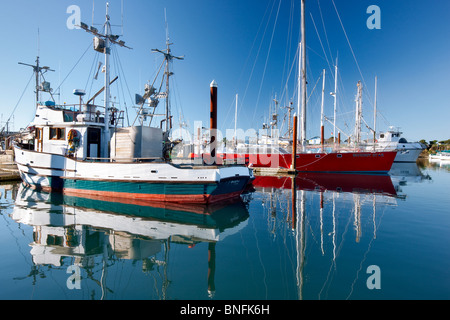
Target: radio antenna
x=113, y=25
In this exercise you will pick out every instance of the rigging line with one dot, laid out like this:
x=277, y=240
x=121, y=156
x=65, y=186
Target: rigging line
x=90, y=73
x=363, y=260
x=137, y=112
x=89, y=46
x=321, y=44
x=288, y=42
x=251, y=49
x=285, y=91
x=15, y=107
x=120, y=84
x=260, y=258
x=348, y=41
x=126, y=84
x=167, y=68
x=267, y=58
x=92, y=79
x=294, y=92
x=312, y=91
x=257, y=55
x=325, y=31
x=178, y=103
x=226, y=120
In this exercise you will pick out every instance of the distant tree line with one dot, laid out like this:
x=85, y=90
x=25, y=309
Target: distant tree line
x=435, y=145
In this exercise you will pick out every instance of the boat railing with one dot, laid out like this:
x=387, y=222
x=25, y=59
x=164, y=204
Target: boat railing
x=88, y=113
x=122, y=160
x=342, y=148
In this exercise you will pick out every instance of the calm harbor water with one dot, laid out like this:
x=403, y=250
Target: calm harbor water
x=317, y=237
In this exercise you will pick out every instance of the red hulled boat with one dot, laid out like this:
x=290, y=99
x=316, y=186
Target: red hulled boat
x=343, y=162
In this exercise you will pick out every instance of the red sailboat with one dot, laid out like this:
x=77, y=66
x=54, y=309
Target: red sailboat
x=338, y=160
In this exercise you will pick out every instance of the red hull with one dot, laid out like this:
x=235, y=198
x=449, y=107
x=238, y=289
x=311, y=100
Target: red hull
x=350, y=162
x=139, y=197
x=175, y=198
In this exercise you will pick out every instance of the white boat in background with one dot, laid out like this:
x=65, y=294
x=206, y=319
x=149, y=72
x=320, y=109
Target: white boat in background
x=392, y=140
x=440, y=155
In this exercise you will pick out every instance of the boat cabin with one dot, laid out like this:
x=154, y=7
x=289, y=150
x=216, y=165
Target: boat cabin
x=392, y=135
x=77, y=131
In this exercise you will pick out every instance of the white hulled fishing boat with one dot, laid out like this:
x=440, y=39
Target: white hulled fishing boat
x=82, y=149
x=392, y=139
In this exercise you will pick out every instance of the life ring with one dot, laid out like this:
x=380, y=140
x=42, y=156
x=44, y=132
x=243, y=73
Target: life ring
x=73, y=138
x=73, y=135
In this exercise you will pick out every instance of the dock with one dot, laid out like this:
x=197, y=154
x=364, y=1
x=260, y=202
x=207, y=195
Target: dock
x=273, y=171
x=8, y=169
x=9, y=176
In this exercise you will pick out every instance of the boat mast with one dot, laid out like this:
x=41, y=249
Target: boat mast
x=102, y=43
x=358, y=114
x=375, y=113
x=168, y=57
x=235, y=122
x=303, y=75
x=105, y=145
x=38, y=70
x=321, y=111
x=299, y=80
x=334, y=94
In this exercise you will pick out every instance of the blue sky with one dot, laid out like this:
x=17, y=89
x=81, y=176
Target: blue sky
x=249, y=48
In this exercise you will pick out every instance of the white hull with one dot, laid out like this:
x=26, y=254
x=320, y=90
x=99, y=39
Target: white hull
x=58, y=172
x=407, y=155
x=406, y=152
x=442, y=156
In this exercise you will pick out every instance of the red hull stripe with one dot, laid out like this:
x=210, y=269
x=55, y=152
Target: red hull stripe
x=176, y=198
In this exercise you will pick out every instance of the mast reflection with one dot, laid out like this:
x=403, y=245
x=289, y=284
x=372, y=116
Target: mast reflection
x=322, y=211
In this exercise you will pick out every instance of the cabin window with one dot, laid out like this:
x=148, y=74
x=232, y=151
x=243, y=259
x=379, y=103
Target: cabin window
x=57, y=134
x=38, y=133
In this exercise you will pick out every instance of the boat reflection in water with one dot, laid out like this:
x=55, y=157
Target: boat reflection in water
x=403, y=174
x=340, y=182
x=332, y=222
x=308, y=237
x=70, y=230
x=320, y=211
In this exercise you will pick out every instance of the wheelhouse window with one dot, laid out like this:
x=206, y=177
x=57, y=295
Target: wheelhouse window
x=57, y=134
